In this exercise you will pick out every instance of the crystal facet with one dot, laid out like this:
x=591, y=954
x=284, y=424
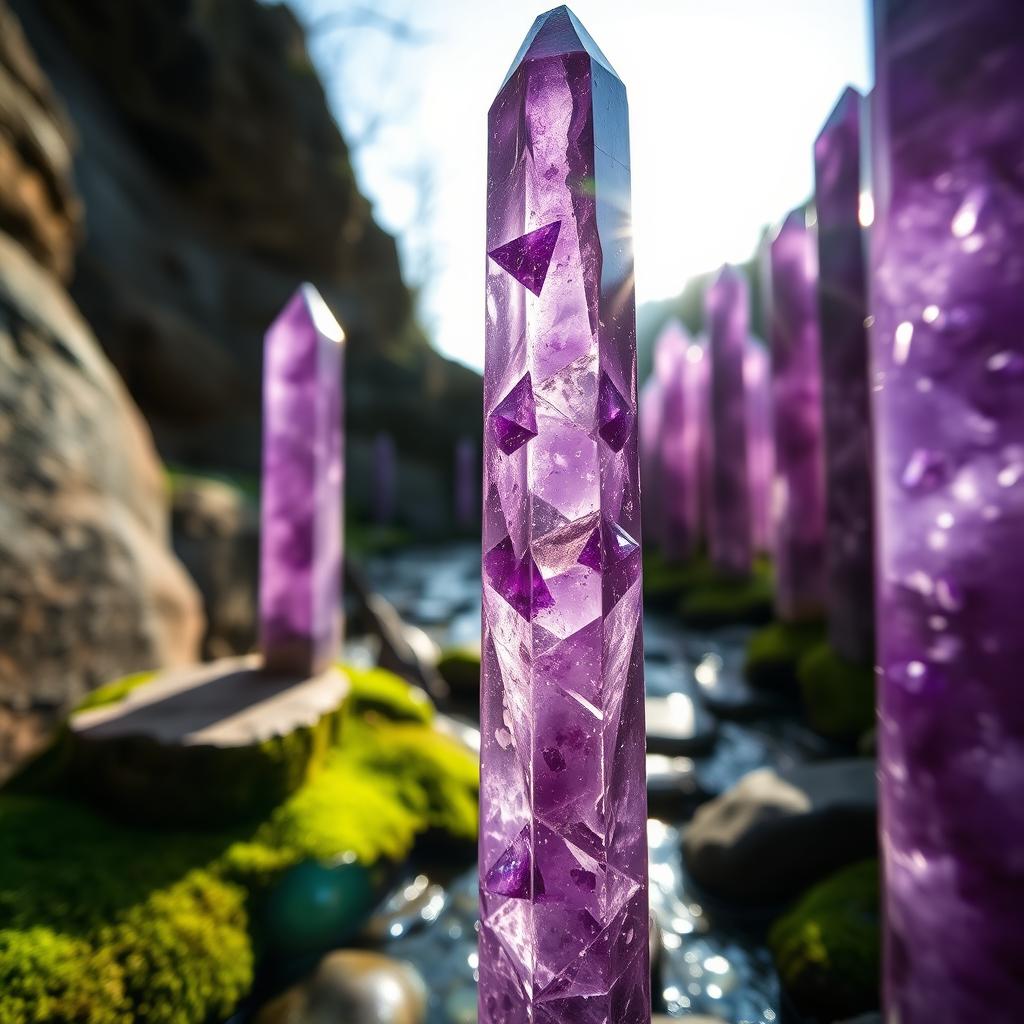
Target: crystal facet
x=798, y=498
x=947, y=348
x=727, y=314
x=842, y=306
x=563, y=862
x=300, y=508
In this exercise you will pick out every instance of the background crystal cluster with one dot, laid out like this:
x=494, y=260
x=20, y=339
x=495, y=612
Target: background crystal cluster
x=563, y=855
x=947, y=296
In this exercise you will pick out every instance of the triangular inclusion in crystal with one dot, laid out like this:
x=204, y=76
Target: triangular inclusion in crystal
x=515, y=417
x=528, y=257
x=510, y=873
x=519, y=583
x=614, y=415
x=618, y=545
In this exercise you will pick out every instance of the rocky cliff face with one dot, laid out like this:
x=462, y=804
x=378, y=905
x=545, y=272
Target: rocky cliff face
x=214, y=180
x=89, y=588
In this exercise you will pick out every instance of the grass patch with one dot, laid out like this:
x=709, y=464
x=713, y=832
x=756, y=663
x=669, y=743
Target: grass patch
x=775, y=652
x=838, y=695
x=108, y=923
x=827, y=948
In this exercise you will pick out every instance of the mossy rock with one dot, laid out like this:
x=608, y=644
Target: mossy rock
x=838, y=695
x=106, y=923
x=460, y=669
x=774, y=654
x=827, y=948
x=721, y=601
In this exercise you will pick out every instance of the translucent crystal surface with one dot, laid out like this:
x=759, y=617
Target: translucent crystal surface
x=727, y=315
x=842, y=305
x=947, y=296
x=563, y=866
x=300, y=506
x=798, y=498
x=757, y=379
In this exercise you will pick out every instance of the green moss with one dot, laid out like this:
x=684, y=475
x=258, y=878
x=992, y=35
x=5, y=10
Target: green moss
x=109, y=923
x=114, y=692
x=666, y=582
x=838, y=695
x=178, y=477
x=774, y=653
x=374, y=691
x=827, y=948
x=720, y=601
x=362, y=539
x=460, y=669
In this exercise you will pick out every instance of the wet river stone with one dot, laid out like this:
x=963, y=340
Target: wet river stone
x=352, y=986
x=773, y=834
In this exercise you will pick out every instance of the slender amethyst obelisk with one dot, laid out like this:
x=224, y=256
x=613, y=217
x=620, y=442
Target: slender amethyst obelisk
x=678, y=443
x=842, y=306
x=467, y=478
x=947, y=295
x=757, y=379
x=727, y=315
x=300, y=507
x=384, y=479
x=798, y=497
x=563, y=857
x=649, y=434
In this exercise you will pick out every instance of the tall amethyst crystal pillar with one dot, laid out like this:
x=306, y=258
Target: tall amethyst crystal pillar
x=563, y=855
x=842, y=306
x=300, y=507
x=384, y=479
x=798, y=498
x=947, y=347
x=467, y=476
x=727, y=315
x=760, y=443
x=678, y=443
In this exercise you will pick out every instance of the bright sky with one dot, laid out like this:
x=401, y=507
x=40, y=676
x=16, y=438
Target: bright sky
x=725, y=96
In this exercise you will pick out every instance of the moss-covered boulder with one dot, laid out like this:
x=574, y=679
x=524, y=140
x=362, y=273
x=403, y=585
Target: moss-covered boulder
x=774, y=654
x=102, y=922
x=827, y=948
x=665, y=582
x=839, y=696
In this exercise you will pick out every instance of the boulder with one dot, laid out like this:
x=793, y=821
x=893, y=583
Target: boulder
x=773, y=835
x=827, y=949
x=354, y=987
x=216, y=531
x=38, y=203
x=89, y=588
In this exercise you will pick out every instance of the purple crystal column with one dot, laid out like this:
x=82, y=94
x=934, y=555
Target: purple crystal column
x=384, y=479
x=798, y=498
x=842, y=306
x=947, y=346
x=727, y=315
x=467, y=475
x=563, y=854
x=300, y=505
x=679, y=527
x=760, y=443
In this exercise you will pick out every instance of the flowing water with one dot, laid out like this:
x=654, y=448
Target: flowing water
x=710, y=961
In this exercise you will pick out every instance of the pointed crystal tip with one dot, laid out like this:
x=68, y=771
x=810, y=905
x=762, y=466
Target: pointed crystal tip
x=321, y=315
x=557, y=32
